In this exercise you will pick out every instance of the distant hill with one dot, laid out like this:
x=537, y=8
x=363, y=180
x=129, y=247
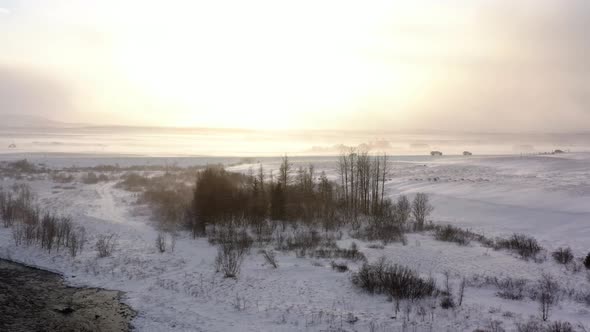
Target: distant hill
x=28, y=121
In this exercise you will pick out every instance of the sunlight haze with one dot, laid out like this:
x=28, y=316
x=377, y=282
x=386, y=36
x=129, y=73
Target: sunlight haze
x=380, y=65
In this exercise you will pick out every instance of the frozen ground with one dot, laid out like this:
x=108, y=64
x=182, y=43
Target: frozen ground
x=544, y=196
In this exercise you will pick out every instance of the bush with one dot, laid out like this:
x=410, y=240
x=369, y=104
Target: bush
x=495, y=326
x=106, y=245
x=563, y=256
x=511, y=289
x=587, y=261
x=90, y=178
x=548, y=295
x=395, y=280
x=161, y=242
x=233, y=246
x=449, y=233
x=381, y=229
x=133, y=182
x=23, y=166
x=560, y=326
x=339, y=266
x=76, y=241
x=525, y=246
x=62, y=178
x=306, y=239
x=530, y=326
x=447, y=302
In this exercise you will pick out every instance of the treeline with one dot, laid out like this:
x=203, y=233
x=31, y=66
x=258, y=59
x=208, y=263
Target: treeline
x=303, y=195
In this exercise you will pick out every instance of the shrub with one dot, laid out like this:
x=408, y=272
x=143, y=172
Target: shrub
x=233, y=246
x=76, y=241
x=395, y=280
x=380, y=229
x=449, y=233
x=548, y=295
x=339, y=266
x=48, y=231
x=23, y=166
x=105, y=245
x=447, y=302
x=525, y=246
x=563, y=256
x=307, y=239
x=161, y=242
x=530, y=326
x=587, y=261
x=133, y=182
x=334, y=252
x=495, y=326
x=90, y=178
x=560, y=326
x=511, y=289
x=376, y=246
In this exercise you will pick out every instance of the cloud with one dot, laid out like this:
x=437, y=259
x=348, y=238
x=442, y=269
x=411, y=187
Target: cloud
x=4, y=11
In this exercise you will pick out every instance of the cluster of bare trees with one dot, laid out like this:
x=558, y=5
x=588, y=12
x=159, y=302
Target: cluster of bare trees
x=362, y=178
x=261, y=200
x=294, y=195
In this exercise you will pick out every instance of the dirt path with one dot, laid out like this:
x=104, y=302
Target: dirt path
x=37, y=300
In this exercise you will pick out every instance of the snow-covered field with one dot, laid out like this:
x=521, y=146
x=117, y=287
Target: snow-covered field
x=546, y=196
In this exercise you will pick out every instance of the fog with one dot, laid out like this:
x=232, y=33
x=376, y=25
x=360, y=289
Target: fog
x=476, y=66
x=36, y=135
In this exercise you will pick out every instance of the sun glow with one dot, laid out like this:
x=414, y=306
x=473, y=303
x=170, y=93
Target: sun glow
x=259, y=65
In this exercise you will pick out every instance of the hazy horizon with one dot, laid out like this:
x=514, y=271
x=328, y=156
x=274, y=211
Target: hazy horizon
x=33, y=134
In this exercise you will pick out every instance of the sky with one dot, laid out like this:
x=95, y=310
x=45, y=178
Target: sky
x=457, y=65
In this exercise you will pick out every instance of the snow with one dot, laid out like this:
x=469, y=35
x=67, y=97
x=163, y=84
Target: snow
x=547, y=197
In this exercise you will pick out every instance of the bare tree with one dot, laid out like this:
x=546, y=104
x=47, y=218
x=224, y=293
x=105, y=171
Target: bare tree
x=421, y=209
x=343, y=170
x=384, y=174
x=106, y=245
x=284, y=171
x=261, y=177
x=461, y=291
x=548, y=295
x=403, y=208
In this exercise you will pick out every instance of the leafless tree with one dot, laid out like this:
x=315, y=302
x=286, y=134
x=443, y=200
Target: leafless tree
x=284, y=171
x=461, y=290
x=403, y=209
x=421, y=209
x=548, y=295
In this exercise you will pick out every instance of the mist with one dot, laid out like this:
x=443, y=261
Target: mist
x=463, y=66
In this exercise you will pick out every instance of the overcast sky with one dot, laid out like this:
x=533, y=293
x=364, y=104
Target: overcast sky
x=454, y=65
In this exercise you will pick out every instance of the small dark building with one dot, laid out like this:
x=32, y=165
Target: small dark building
x=558, y=151
x=436, y=153
x=467, y=153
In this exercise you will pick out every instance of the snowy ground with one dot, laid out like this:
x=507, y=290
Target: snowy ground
x=544, y=196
